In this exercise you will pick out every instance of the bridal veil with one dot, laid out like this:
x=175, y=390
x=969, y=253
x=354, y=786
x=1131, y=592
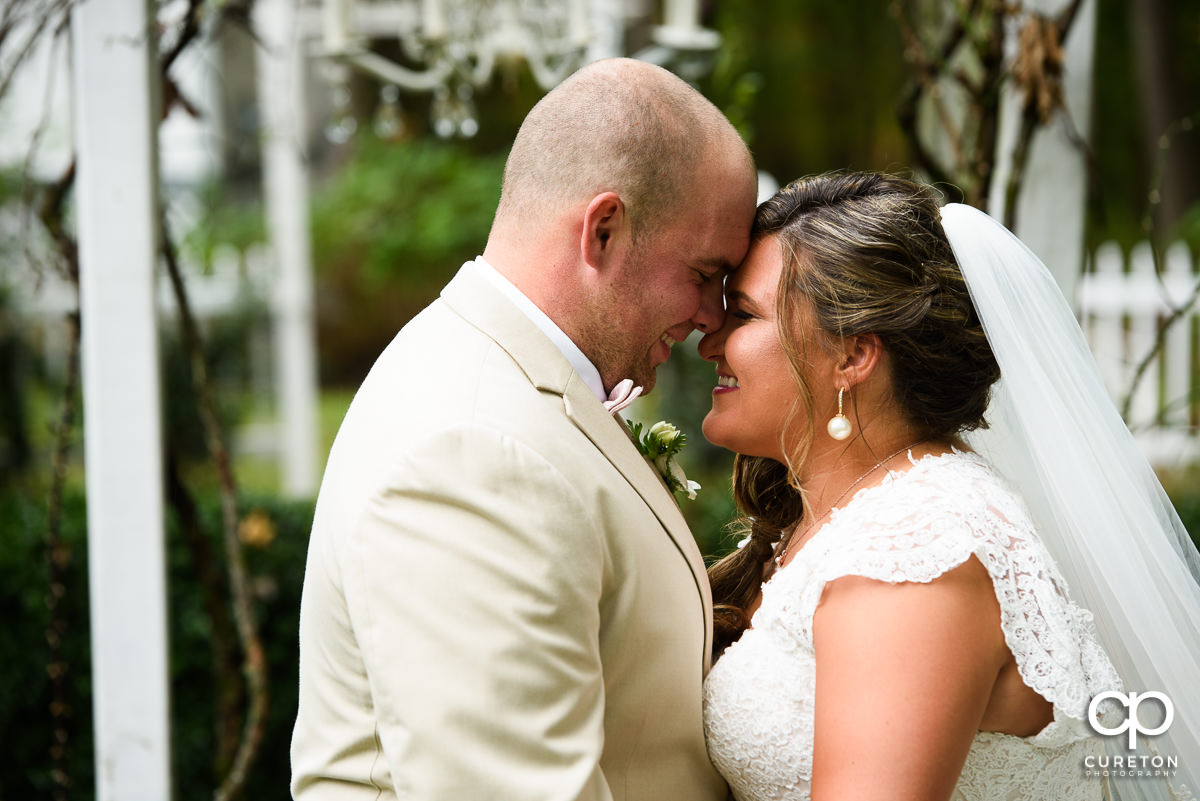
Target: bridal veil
x=1057, y=437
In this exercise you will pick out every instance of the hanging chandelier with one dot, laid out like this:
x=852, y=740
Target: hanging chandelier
x=451, y=49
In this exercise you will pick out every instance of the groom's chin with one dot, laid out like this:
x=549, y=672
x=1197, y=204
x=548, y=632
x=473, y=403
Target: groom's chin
x=646, y=378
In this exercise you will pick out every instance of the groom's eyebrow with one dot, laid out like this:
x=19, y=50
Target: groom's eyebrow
x=716, y=264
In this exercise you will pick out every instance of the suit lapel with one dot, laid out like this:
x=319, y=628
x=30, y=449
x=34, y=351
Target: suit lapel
x=613, y=440
x=470, y=295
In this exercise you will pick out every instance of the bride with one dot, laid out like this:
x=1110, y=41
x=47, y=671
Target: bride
x=936, y=489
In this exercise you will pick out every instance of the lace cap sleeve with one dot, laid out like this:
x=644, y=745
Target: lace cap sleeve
x=924, y=522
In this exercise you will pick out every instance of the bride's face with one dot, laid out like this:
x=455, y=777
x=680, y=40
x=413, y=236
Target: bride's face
x=756, y=392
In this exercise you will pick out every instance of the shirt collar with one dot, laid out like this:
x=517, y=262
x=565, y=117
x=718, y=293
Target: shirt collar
x=587, y=371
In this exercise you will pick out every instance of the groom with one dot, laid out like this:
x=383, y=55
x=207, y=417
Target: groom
x=502, y=600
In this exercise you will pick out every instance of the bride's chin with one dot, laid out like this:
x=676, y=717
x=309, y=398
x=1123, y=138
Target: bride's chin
x=712, y=432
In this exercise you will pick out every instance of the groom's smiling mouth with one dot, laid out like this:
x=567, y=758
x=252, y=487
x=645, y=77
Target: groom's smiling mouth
x=661, y=355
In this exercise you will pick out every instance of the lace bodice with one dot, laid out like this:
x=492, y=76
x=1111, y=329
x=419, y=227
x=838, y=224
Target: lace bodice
x=915, y=526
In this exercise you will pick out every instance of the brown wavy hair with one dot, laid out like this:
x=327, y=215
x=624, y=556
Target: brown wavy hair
x=863, y=253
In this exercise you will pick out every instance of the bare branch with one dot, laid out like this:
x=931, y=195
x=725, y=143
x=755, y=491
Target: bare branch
x=50, y=212
x=1020, y=159
x=254, y=660
x=58, y=12
x=1154, y=196
x=987, y=108
x=1178, y=313
x=28, y=185
x=58, y=555
x=926, y=68
x=254, y=664
x=226, y=675
x=1160, y=339
x=1066, y=18
x=190, y=30
x=1038, y=72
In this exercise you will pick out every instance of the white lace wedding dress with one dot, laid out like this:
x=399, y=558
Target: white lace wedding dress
x=915, y=526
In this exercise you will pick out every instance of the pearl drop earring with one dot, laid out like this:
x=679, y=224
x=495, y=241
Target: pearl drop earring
x=839, y=427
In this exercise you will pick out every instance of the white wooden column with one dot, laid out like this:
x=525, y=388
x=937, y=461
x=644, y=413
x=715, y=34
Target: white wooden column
x=1051, y=207
x=115, y=109
x=285, y=182
x=607, y=21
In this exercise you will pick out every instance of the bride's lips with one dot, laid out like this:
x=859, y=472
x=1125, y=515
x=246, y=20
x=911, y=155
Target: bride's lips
x=725, y=384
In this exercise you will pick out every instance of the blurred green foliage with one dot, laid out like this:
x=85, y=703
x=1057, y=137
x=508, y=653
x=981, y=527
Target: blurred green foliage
x=26, y=724
x=227, y=219
x=401, y=210
x=811, y=86
x=390, y=228
x=1122, y=176
x=276, y=569
x=230, y=365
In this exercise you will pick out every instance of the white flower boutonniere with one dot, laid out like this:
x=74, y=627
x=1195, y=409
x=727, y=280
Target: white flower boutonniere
x=659, y=445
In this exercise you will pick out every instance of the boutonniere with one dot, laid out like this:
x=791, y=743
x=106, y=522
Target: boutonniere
x=659, y=445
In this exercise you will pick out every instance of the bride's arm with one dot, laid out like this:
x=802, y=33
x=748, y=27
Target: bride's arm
x=904, y=674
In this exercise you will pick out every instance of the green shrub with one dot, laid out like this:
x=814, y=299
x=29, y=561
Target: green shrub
x=276, y=569
x=389, y=230
x=26, y=728
x=26, y=725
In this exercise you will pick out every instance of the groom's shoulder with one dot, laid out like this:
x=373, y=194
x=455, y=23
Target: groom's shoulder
x=438, y=392
x=440, y=372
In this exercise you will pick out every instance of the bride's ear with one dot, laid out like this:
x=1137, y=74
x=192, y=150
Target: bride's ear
x=862, y=355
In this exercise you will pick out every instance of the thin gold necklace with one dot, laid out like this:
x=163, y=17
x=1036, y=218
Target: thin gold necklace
x=788, y=545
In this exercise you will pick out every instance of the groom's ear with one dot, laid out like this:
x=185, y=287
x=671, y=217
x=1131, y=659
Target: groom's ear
x=605, y=227
x=862, y=354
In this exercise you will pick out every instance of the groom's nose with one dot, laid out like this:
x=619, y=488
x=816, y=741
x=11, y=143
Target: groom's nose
x=711, y=314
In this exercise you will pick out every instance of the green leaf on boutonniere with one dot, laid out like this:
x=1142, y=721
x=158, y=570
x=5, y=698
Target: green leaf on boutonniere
x=659, y=445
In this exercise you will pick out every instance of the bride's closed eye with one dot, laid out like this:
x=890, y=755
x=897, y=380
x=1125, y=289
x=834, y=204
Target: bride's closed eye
x=740, y=306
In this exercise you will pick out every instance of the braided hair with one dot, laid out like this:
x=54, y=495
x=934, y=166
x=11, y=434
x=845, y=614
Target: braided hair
x=863, y=253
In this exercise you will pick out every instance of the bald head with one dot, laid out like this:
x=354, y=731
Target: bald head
x=616, y=125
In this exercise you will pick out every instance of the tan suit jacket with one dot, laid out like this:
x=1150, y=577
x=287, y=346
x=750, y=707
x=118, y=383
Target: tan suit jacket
x=502, y=600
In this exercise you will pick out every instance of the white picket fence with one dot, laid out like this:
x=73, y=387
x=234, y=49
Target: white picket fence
x=1122, y=303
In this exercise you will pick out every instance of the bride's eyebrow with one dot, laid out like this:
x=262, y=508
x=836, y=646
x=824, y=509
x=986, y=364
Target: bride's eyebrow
x=742, y=300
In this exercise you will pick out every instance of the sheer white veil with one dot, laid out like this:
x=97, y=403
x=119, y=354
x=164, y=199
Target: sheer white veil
x=1057, y=437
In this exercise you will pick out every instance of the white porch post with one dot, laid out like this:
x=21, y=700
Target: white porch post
x=1051, y=207
x=285, y=182
x=115, y=108
x=607, y=20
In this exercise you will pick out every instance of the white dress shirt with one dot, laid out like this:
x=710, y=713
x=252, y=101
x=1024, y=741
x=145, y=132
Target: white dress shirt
x=587, y=371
